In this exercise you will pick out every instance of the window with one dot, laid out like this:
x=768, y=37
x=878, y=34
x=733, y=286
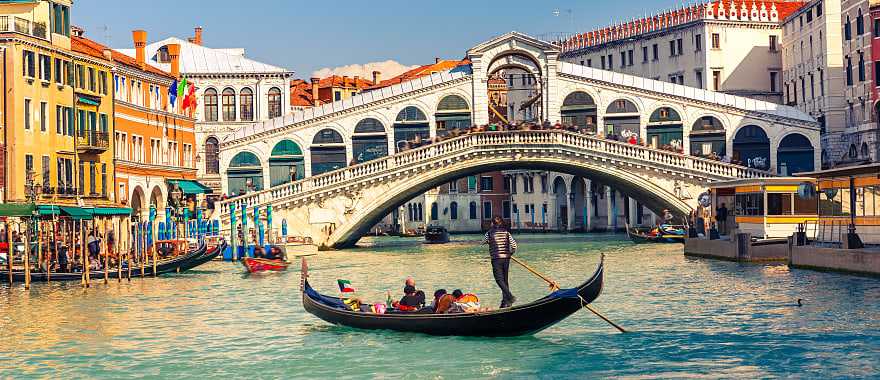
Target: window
x=876, y=27
x=246, y=96
x=716, y=80
x=435, y=211
x=80, y=76
x=453, y=186
x=82, y=177
x=337, y=96
x=274, y=102
x=28, y=66
x=750, y=204
x=472, y=184
x=92, y=177
x=45, y=67
x=818, y=9
x=810, y=15
x=486, y=184
x=212, y=155
x=656, y=51
x=92, y=82
x=803, y=90
x=102, y=82
x=210, y=97
x=58, y=78
x=61, y=19
x=472, y=210
x=228, y=99
x=773, y=76
x=27, y=114
x=529, y=184
x=59, y=114
x=630, y=56
x=623, y=59
x=672, y=48
x=589, y=63
x=860, y=23
x=44, y=114
x=68, y=73
x=679, y=46
x=505, y=209
x=774, y=43
x=822, y=83
x=610, y=62
x=699, y=75
x=698, y=42
x=716, y=41
x=104, y=179
x=487, y=210
x=849, y=77
x=644, y=54
x=45, y=169
x=187, y=155
x=453, y=211
x=861, y=67
x=28, y=165
x=603, y=62
x=847, y=33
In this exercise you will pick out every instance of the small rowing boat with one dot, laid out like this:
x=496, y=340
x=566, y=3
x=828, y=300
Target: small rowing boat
x=665, y=234
x=255, y=265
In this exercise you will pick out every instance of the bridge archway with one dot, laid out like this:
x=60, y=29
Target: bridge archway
x=622, y=119
x=795, y=154
x=637, y=186
x=245, y=173
x=707, y=137
x=579, y=110
x=516, y=88
x=665, y=129
x=410, y=123
x=453, y=113
x=286, y=163
x=369, y=141
x=751, y=146
x=328, y=151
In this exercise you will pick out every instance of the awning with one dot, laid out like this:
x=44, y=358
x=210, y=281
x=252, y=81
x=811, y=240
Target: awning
x=190, y=187
x=47, y=210
x=110, y=211
x=85, y=100
x=76, y=213
x=16, y=209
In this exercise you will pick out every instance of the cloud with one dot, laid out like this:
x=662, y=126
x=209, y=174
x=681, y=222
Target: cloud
x=389, y=68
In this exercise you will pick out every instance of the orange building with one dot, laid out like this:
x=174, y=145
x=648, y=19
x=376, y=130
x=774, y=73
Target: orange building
x=325, y=90
x=153, y=141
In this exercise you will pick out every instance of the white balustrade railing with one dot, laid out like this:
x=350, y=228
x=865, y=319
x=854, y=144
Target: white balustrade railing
x=489, y=141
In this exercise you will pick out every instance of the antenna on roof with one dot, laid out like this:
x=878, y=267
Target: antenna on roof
x=107, y=35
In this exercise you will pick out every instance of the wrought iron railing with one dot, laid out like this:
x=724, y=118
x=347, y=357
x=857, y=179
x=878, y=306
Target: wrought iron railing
x=93, y=140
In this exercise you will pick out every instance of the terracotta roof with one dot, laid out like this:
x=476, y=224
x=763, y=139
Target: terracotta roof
x=442, y=65
x=300, y=93
x=339, y=81
x=89, y=47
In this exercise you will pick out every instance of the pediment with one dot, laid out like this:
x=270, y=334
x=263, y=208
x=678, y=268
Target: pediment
x=514, y=40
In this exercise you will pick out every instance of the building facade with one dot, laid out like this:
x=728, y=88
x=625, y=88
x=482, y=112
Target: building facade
x=859, y=140
x=727, y=47
x=231, y=91
x=813, y=70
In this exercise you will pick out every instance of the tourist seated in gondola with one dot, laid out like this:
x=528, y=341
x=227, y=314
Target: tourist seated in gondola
x=275, y=253
x=442, y=301
x=412, y=299
x=464, y=302
x=259, y=252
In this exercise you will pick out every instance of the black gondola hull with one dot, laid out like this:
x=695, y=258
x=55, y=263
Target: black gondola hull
x=515, y=321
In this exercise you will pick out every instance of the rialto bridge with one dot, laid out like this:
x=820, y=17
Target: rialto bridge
x=335, y=170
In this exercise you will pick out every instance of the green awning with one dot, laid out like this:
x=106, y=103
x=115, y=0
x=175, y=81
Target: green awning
x=110, y=211
x=190, y=187
x=76, y=213
x=48, y=210
x=85, y=100
x=16, y=209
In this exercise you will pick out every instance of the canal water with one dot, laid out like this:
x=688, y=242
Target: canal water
x=688, y=317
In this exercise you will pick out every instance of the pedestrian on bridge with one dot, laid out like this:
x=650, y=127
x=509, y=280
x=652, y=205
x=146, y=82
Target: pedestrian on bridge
x=501, y=247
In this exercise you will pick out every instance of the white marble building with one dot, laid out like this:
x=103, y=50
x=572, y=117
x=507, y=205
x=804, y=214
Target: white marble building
x=232, y=91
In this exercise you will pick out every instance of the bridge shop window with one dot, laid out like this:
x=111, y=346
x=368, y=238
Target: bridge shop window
x=410, y=128
x=622, y=119
x=286, y=163
x=795, y=154
x=707, y=137
x=664, y=129
x=328, y=151
x=453, y=113
x=245, y=173
x=369, y=141
x=751, y=148
x=579, y=110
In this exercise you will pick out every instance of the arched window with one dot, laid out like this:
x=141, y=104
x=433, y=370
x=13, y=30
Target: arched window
x=274, y=102
x=328, y=151
x=286, y=163
x=860, y=23
x=247, y=104
x=210, y=104
x=853, y=153
x=472, y=210
x=228, y=104
x=420, y=215
x=369, y=141
x=434, y=211
x=708, y=137
x=864, y=150
x=212, y=156
x=453, y=113
x=579, y=110
x=245, y=173
x=794, y=155
x=410, y=123
x=453, y=211
x=751, y=147
x=622, y=119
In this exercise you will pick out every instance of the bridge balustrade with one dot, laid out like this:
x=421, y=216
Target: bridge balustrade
x=452, y=147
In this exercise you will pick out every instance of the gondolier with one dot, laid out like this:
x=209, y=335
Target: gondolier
x=501, y=247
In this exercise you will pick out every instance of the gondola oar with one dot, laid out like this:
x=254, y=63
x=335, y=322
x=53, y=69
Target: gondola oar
x=554, y=286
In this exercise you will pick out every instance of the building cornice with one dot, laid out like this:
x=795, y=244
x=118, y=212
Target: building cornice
x=280, y=75
x=153, y=111
x=140, y=74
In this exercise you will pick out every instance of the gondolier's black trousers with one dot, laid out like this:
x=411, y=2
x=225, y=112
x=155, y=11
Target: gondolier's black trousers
x=500, y=269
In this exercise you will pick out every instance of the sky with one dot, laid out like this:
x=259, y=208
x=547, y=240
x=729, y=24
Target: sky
x=307, y=36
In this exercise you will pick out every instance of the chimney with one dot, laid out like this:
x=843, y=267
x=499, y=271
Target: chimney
x=174, y=54
x=197, y=39
x=377, y=77
x=357, y=78
x=436, y=60
x=345, y=81
x=315, y=99
x=77, y=31
x=140, y=43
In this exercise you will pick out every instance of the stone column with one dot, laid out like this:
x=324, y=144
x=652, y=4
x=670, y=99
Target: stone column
x=609, y=201
x=480, y=90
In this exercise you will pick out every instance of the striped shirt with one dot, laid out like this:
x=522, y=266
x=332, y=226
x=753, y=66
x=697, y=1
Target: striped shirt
x=501, y=243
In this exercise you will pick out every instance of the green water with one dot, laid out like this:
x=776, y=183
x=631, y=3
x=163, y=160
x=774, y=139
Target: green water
x=689, y=317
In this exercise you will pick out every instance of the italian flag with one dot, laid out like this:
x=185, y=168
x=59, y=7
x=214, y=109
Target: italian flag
x=345, y=286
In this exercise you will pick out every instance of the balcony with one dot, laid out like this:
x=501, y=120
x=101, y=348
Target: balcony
x=92, y=141
x=23, y=26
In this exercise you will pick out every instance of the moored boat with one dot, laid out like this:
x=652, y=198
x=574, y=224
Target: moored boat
x=662, y=234
x=524, y=319
x=256, y=265
x=436, y=235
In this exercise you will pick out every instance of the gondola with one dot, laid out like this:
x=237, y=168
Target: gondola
x=639, y=236
x=514, y=321
x=166, y=266
x=209, y=255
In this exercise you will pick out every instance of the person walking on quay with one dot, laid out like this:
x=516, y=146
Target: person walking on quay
x=501, y=247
